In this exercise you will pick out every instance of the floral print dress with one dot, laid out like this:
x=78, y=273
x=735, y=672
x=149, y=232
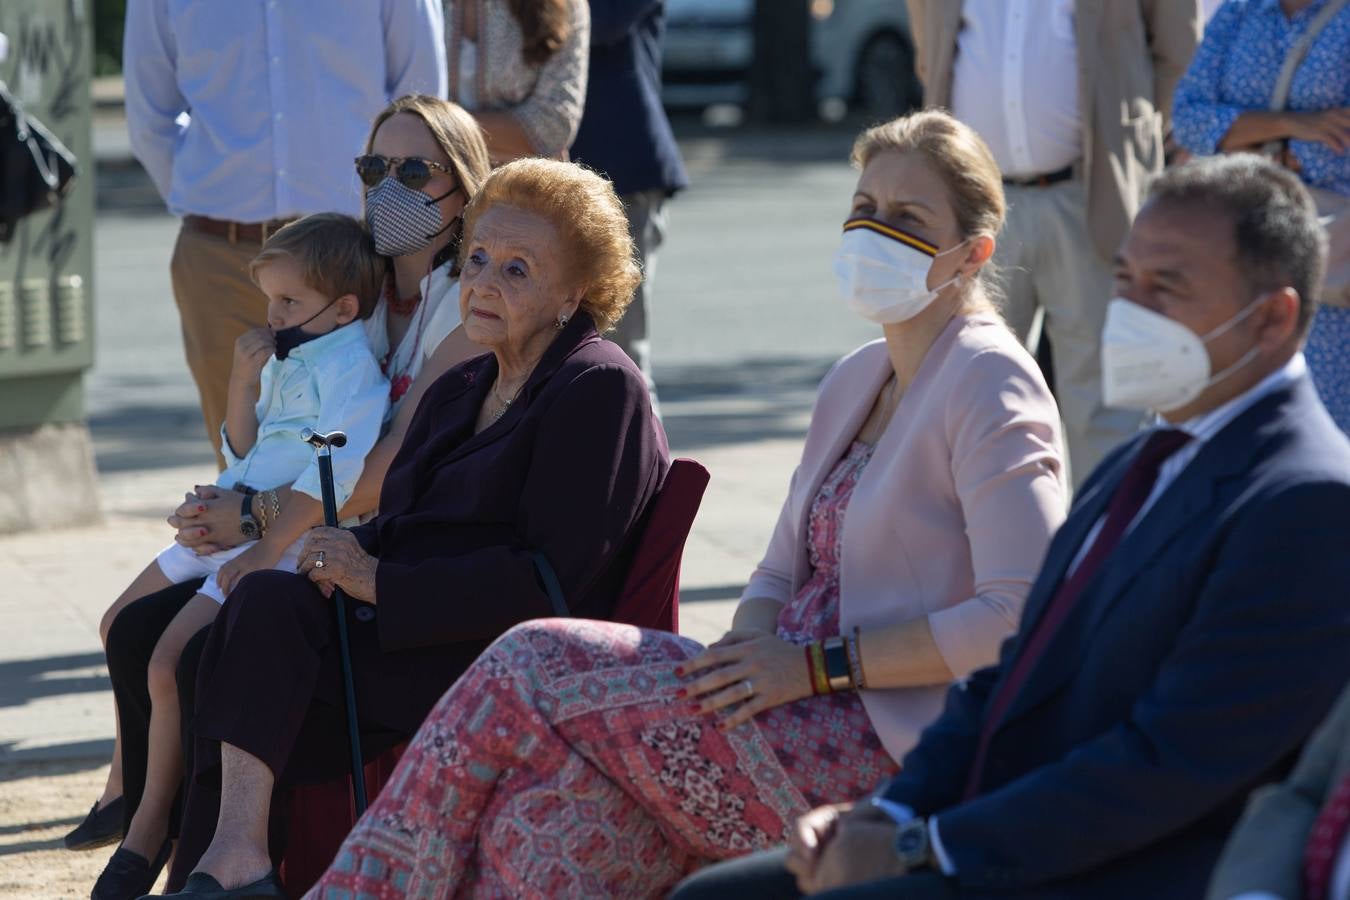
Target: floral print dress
x=562, y=765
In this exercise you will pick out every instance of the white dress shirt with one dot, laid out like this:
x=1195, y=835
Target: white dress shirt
x=1015, y=81
x=253, y=110
x=1202, y=429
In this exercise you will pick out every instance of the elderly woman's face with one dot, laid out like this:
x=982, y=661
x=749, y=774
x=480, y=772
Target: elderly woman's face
x=513, y=286
x=902, y=190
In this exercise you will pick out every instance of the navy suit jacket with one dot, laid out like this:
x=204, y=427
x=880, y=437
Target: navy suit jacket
x=1206, y=650
x=567, y=472
x=624, y=132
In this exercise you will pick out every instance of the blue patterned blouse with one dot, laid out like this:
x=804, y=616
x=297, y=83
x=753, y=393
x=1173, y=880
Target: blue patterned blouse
x=1234, y=71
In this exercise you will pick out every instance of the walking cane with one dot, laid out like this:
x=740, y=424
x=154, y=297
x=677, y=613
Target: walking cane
x=325, y=444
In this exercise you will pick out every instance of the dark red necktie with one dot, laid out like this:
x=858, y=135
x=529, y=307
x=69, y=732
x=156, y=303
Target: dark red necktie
x=1134, y=488
x=1324, y=842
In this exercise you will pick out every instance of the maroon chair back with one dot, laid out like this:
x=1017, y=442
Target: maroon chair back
x=651, y=593
x=322, y=814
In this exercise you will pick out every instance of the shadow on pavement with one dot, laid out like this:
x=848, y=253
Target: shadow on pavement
x=34, y=846
x=26, y=680
x=134, y=438
x=738, y=402
x=53, y=759
x=706, y=594
x=38, y=826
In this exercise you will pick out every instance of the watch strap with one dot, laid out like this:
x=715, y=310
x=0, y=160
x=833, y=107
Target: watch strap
x=248, y=526
x=837, y=669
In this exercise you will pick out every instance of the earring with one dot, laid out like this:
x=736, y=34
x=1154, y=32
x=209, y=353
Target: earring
x=562, y=321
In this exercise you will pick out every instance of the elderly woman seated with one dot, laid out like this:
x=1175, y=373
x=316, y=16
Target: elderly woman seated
x=547, y=445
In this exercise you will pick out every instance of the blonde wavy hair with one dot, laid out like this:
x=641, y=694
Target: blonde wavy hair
x=589, y=219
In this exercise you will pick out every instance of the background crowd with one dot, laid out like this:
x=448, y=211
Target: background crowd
x=1128, y=667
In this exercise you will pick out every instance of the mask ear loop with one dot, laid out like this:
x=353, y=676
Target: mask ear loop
x=313, y=317
x=955, y=279
x=1225, y=328
x=1233, y=322
x=431, y=201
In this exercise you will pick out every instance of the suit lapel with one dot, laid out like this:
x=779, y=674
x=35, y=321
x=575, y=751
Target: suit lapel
x=1228, y=454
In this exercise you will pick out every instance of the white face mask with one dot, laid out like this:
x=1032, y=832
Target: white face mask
x=1151, y=362
x=883, y=272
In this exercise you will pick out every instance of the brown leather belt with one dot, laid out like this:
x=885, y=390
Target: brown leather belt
x=1046, y=180
x=235, y=232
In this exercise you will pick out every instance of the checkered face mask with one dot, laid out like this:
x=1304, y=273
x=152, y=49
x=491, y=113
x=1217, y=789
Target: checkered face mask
x=402, y=220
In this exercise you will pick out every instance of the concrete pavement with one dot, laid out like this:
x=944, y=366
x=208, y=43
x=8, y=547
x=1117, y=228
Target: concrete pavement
x=745, y=323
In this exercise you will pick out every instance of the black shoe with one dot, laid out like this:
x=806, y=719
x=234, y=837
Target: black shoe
x=200, y=886
x=129, y=875
x=99, y=829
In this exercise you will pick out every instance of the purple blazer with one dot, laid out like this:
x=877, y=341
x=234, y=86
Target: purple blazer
x=566, y=472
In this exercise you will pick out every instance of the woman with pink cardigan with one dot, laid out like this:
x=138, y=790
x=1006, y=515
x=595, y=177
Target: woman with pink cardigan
x=589, y=759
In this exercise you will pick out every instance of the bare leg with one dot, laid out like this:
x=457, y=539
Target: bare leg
x=151, y=580
x=238, y=852
x=164, y=763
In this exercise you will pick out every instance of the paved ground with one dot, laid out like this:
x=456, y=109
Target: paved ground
x=745, y=324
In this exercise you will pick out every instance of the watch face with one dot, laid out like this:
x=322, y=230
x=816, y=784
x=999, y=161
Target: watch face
x=249, y=528
x=910, y=841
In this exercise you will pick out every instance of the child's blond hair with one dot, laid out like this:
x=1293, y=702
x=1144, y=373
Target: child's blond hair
x=336, y=255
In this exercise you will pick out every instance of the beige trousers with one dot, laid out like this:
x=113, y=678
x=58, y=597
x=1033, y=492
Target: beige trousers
x=217, y=302
x=1053, y=277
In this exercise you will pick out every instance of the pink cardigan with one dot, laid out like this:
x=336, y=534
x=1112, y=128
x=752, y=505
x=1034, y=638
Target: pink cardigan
x=951, y=517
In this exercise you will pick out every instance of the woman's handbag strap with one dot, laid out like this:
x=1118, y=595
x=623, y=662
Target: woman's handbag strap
x=1294, y=58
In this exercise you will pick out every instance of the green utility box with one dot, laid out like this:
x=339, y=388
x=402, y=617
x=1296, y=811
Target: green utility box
x=46, y=275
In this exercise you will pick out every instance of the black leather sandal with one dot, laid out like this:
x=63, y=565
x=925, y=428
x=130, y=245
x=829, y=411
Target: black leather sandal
x=99, y=829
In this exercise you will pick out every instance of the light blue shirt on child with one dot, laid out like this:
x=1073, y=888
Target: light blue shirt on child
x=329, y=383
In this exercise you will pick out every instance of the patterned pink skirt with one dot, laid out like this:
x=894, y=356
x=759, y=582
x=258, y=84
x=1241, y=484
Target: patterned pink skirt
x=562, y=765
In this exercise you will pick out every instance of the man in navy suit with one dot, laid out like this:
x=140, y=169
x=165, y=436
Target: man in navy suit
x=1190, y=624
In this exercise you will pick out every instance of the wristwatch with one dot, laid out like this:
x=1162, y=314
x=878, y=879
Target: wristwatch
x=248, y=525
x=912, y=846
x=836, y=664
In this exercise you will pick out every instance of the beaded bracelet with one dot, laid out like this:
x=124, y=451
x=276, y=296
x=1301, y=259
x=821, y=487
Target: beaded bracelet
x=815, y=664
x=855, y=660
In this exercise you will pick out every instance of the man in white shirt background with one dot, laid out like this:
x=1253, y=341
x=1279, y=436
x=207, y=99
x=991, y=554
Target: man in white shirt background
x=1073, y=98
x=248, y=114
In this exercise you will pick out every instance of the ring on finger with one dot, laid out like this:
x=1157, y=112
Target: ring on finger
x=749, y=688
x=318, y=560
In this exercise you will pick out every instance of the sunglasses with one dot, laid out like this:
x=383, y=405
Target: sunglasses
x=411, y=171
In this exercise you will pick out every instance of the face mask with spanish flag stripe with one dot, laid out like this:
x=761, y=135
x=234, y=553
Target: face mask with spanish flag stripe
x=883, y=271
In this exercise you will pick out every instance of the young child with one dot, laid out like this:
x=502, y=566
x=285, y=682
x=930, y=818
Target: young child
x=311, y=368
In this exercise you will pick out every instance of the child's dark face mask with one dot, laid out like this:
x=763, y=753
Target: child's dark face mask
x=287, y=339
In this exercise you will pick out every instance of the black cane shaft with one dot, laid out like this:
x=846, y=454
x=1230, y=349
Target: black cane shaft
x=344, y=644
x=349, y=690
x=326, y=485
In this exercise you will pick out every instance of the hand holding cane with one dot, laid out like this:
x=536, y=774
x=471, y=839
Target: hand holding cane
x=325, y=444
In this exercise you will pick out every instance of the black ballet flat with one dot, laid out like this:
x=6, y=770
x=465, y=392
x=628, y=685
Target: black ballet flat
x=129, y=875
x=200, y=886
x=99, y=829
